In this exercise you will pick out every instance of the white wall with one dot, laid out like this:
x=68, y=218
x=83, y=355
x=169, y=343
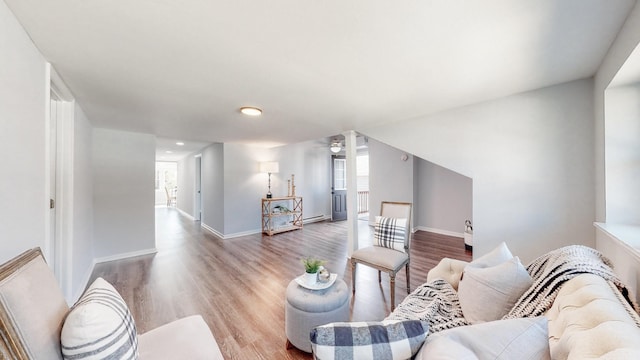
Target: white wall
x=443, y=199
x=186, y=184
x=624, y=44
x=390, y=177
x=213, y=204
x=123, y=193
x=530, y=158
x=244, y=186
x=22, y=140
x=622, y=156
x=82, y=239
x=310, y=162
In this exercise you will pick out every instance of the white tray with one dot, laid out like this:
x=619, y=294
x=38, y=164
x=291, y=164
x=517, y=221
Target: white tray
x=318, y=285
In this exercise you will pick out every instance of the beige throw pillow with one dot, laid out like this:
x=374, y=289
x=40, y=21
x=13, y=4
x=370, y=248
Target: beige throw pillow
x=495, y=257
x=487, y=294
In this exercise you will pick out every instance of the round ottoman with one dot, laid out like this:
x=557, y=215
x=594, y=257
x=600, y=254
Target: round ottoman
x=306, y=309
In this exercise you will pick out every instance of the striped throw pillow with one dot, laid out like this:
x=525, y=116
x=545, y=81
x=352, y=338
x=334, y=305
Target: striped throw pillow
x=99, y=326
x=390, y=232
x=389, y=339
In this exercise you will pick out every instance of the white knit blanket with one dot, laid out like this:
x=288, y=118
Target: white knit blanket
x=436, y=302
x=551, y=270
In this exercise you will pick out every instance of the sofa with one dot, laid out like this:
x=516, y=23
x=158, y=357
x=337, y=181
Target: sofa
x=36, y=322
x=566, y=304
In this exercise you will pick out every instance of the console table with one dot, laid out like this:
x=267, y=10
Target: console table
x=281, y=214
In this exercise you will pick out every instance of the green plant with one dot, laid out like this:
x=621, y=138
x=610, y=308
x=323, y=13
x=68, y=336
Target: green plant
x=311, y=265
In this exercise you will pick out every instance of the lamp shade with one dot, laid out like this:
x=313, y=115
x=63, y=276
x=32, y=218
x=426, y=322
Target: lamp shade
x=271, y=167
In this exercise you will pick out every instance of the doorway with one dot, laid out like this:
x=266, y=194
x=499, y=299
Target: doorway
x=166, y=183
x=197, y=203
x=55, y=109
x=338, y=188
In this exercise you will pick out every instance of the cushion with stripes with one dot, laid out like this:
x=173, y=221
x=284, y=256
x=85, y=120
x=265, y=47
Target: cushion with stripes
x=99, y=326
x=388, y=339
x=390, y=232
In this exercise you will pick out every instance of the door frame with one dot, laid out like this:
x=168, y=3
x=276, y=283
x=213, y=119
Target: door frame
x=58, y=248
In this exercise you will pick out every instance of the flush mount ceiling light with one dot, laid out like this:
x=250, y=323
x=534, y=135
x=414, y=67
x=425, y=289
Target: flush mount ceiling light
x=251, y=111
x=180, y=143
x=335, y=147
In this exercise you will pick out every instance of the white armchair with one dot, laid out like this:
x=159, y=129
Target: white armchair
x=33, y=311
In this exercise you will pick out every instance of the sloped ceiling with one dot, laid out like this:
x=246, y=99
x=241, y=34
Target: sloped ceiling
x=182, y=69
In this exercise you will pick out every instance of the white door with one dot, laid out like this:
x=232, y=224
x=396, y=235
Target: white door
x=54, y=109
x=197, y=207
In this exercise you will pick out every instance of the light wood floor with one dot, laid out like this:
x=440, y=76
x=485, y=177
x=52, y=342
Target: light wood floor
x=238, y=285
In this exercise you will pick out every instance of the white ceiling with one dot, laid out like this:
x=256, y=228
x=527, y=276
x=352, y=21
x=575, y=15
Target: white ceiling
x=182, y=69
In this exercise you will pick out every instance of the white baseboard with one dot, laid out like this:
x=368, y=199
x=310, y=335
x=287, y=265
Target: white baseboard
x=125, y=255
x=439, y=231
x=256, y=231
x=316, y=219
x=228, y=236
x=211, y=230
x=185, y=214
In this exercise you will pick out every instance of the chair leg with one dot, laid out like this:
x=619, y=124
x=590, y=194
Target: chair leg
x=392, y=285
x=379, y=277
x=408, y=281
x=353, y=277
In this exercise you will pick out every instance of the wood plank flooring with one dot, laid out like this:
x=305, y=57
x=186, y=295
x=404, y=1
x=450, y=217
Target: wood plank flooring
x=238, y=285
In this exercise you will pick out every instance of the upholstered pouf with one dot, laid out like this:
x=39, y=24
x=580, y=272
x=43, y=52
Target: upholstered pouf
x=305, y=309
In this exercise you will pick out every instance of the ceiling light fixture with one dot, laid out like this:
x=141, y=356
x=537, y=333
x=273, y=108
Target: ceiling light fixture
x=180, y=143
x=335, y=147
x=251, y=111
x=169, y=152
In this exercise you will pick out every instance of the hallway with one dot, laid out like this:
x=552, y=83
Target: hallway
x=238, y=285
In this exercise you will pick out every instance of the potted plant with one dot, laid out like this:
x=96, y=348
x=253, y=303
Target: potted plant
x=311, y=267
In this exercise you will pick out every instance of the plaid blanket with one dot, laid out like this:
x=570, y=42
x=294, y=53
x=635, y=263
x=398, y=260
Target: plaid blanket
x=435, y=302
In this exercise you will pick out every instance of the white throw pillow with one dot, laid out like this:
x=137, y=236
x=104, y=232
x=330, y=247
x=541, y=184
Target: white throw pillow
x=523, y=338
x=99, y=326
x=390, y=233
x=487, y=294
x=495, y=257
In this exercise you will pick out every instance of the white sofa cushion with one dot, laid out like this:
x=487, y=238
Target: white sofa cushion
x=186, y=338
x=487, y=294
x=524, y=338
x=99, y=326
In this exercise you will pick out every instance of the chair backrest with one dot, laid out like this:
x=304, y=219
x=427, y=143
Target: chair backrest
x=32, y=309
x=398, y=210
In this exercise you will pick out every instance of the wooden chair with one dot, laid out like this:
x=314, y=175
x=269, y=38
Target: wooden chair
x=171, y=197
x=383, y=258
